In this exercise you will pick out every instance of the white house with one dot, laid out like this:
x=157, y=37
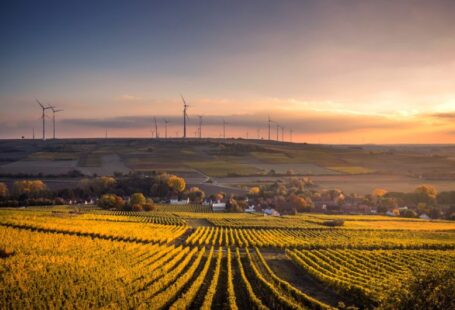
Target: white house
x=424, y=217
x=250, y=209
x=218, y=206
x=271, y=212
x=179, y=202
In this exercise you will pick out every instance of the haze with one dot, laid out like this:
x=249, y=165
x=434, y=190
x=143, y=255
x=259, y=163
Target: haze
x=333, y=71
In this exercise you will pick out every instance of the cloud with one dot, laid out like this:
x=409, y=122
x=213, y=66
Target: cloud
x=445, y=115
x=299, y=122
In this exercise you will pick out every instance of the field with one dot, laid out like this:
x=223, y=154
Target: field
x=83, y=257
x=236, y=163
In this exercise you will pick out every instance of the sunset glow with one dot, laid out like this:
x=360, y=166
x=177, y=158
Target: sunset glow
x=334, y=72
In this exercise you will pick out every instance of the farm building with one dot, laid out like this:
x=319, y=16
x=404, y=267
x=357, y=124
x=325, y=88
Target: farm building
x=179, y=202
x=218, y=206
x=424, y=217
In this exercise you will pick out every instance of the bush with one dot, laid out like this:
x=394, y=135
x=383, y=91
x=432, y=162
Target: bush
x=149, y=206
x=334, y=223
x=109, y=201
x=137, y=208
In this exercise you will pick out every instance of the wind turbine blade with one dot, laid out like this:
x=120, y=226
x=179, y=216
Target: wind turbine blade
x=39, y=103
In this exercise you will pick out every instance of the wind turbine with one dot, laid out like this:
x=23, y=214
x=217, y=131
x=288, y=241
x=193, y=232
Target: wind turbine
x=224, y=128
x=185, y=116
x=282, y=134
x=54, y=110
x=269, y=123
x=200, y=126
x=277, y=132
x=43, y=116
x=290, y=134
x=165, y=128
x=156, y=128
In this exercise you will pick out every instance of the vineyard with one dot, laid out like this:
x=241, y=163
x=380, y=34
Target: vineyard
x=56, y=258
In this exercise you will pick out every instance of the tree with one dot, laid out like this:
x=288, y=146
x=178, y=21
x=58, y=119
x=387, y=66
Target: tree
x=137, y=208
x=109, y=201
x=430, y=289
x=176, y=184
x=4, y=192
x=28, y=187
x=379, y=192
x=137, y=199
x=300, y=204
x=196, y=195
x=233, y=206
x=254, y=191
x=426, y=193
x=149, y=206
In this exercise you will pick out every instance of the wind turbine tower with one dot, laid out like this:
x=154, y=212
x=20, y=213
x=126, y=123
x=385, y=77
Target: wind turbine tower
x=156, y=128
x=277, y=132
x=270, y=124
x=43, y=116
x=282, y=133
x=165, y=128
x=200, y=127
x=185, y=116
x=54, y=110
x=224, y=128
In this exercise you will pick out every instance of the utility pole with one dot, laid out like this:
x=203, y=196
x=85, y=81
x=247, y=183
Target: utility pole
x=277, y=132
x=33, y=133
x=269, y=122
x=282, y=134
x=290, y=134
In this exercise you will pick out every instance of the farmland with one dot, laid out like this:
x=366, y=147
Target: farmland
x=234, y=163
x=83, y=257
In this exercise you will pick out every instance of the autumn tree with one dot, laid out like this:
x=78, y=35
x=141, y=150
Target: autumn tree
x=137, y=199
x=426, y=193
x=300, y=204
x=196, y=195
x=254, y=191
x=28, y=187
x=110, y=201
x=176, y=184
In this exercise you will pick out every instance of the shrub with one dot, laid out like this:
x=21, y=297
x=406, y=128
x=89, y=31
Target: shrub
x=137, y=208
x=149, y=206
x=334, y=223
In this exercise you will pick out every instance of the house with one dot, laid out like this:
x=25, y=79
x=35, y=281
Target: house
x=424, y=217
x=179, y=202
x=393, y=212
x=250, y=209
x=271, y=212
x=218, y=206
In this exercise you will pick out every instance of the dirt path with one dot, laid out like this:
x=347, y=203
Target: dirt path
x=195, y=223
x=285, y=269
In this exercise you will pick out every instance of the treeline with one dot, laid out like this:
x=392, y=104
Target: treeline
x=292, y=195
x=157, y=187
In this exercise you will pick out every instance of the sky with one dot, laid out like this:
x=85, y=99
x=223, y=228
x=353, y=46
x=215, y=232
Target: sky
x=331, y=71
